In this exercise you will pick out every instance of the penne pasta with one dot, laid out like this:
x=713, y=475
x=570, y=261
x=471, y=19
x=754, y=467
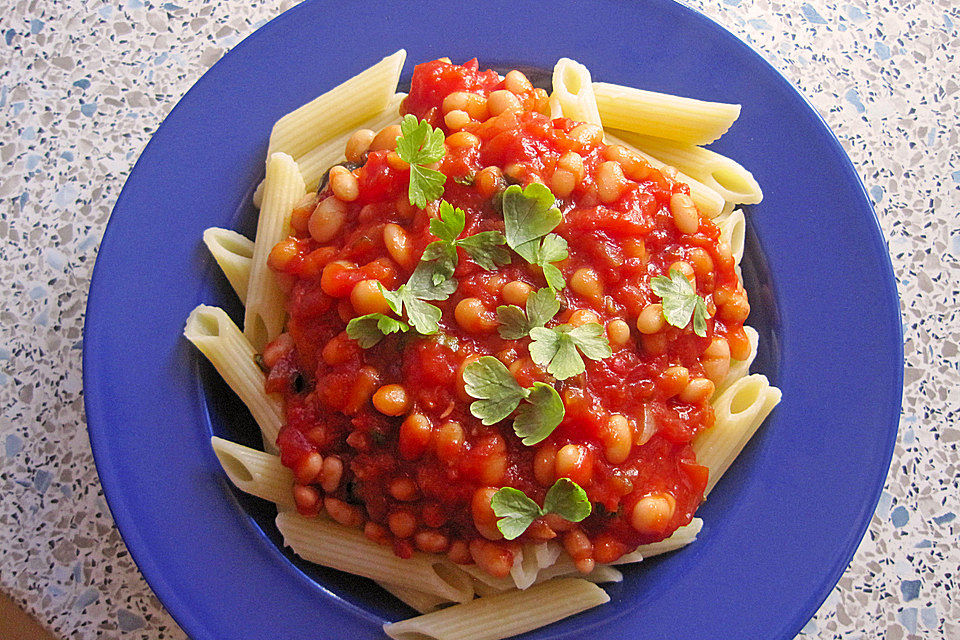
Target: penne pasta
x=725, y=176
x=573, y=92
x=416, y=600
x=738, y=411
x=503, y=615
x=709, y=202
x=212, y=331
x=318, y=160
x=366, y=93
x=680, y=538
x=265, y=312
x=733, y=231
x=255, y=472
x=740, y=368
x=234, y=254
x=347, y=549
x=662, y=115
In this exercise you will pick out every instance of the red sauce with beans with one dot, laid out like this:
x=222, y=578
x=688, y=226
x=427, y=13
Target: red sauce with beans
x=410, y=479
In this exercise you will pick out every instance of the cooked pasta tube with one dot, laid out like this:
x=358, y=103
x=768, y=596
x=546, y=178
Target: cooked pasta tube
x=503, y=615
x=565, y=566
x=573, y=91
x=738, y=412
x=315, y=162
x=416, y=600
x=740, y=368
x=212, y=331
x=265, y=309
x=347, y=549
x=725, y=176
x=366, y=93
x=662, y=115
x=255, y=472
x=709, y=202
x=537, y=570
x=680, y=538
x=733, y=231
x=234, y=254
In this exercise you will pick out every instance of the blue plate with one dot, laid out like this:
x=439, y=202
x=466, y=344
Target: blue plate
x=780, y=528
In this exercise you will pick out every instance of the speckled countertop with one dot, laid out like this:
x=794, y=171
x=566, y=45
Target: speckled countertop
x=83, y=85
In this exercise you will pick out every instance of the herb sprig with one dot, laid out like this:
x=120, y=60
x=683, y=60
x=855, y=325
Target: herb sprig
x=370, y=329
x=498, y=395
x=485, y=248
x=421, y=145
x=515, y=323
x=559, y=348
x=680, y=302
x=529, y=215
x=516, y=511
x=413, y=296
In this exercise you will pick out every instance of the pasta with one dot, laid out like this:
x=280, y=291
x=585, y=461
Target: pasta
x=725, y=176
x=323, y=118
x=328, y=544
x=212, y=331
x=740, y=409
x=573, y=91
x=503, y=615
x=708, y=201
x=661, y=115
x=234, y=254
x=318, y=160
x=374, y=382
x=255, y=472
x=283, y=189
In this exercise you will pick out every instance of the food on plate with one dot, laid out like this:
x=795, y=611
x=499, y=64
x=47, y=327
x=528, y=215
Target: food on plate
x=493, y=337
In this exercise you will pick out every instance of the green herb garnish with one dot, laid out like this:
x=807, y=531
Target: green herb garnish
x=420, y=145
x=516, y=511
x=412, y=296
x=498, y=394
x=542, y=305
x=485, y=248
x=370, y=329
x=529, y=215
x=680, y=301
x=559, y=348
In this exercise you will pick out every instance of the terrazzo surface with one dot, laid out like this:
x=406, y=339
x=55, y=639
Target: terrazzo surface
x=84, y=84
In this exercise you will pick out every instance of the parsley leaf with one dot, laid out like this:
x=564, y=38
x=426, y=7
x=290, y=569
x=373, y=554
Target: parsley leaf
x=542, y=305
x=529, y=215
x=498, y=395
x=450, y=224
x=568, y=500
x=680, y=302
x=419, y=144
x=421, y=283
x=516, y=511
x=513, y=322
x=368, y=330
x=552, y=249
x=411, y=296
x=539, y=416
x=444, y=259
x=484, y=248
x=495, y=388
x=557, y=348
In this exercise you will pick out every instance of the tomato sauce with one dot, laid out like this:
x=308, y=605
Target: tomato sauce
x=327, y=380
